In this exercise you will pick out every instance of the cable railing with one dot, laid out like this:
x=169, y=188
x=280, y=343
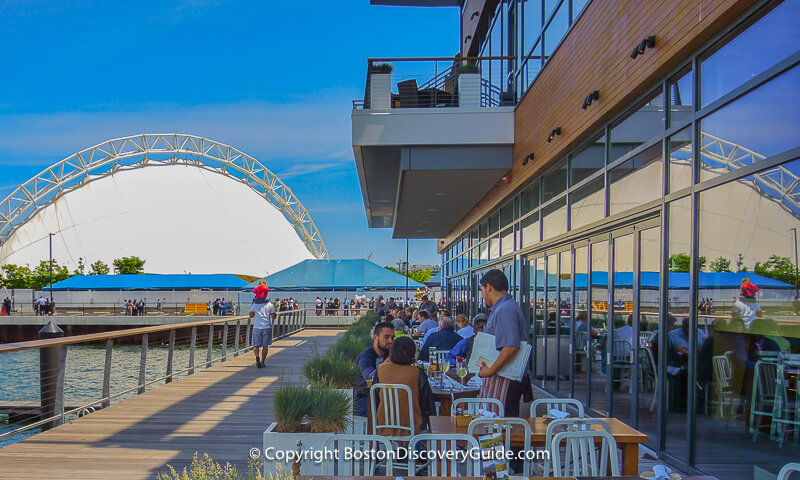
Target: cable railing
x=166, y=353
x=435, y=82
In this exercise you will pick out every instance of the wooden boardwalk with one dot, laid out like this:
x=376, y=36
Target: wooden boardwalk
x=222, y=411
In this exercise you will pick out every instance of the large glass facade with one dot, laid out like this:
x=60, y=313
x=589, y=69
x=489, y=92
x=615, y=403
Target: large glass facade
x=660, y=257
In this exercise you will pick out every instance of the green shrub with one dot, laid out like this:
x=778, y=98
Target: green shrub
x=329, y=411
x=291, y=403
x=466, y=68
x=346, y=349
x=381, y=68
x=331, y=373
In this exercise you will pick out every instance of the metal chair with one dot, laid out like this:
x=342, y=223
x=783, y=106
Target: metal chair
x=787, y=470
x=408, y=93
x=506, y=426
x=762, y=399
x=579, y=424
x=559, y=403
x=440, y=442
x=726, y=401
x=475, y=404
x=785, y=412
x=622, y=361
x=390, y=394
x=580, y=456
x=363, y=466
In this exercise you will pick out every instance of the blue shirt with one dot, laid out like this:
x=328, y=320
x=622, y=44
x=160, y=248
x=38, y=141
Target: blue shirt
x=428, y=324
x=441, y=340
x=679, y=339
x=367, y=362
x=467, y=331
x=507, y=323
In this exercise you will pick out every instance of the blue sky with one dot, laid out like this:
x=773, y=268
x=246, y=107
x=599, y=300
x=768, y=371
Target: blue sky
x=274, y=79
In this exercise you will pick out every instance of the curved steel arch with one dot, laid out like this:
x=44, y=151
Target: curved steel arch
x=144, y=150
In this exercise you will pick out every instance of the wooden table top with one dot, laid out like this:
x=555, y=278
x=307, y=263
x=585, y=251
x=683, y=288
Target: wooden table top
x=621, y=432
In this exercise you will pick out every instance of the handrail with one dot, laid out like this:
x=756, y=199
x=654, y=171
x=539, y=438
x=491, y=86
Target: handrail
x=431, y=59
x=128, y=332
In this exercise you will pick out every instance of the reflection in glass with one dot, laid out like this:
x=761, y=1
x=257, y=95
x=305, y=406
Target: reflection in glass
x=581, y=326
x=599, y=325
x=563, y=324
x=554, y=183
x=554, y=218
x=588, y=203
x=532, y=12
x=494, y=247
x=556, y=29
x=507, y=241
x=530, y=230
x=763, y=123
x=530, y=198
x=763, y=44
x=649, y=304
x=506, y=215
x=540, y=308
x=619, y=342
x=681, y=94
x=644, y=123
x=636, y=181
x=587, y=161
x=680, y=160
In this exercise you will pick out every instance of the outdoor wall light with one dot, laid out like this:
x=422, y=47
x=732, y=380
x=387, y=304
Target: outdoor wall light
x=474, y=14
x=648, y=42
x=588, y=100
x=556, y=131
x=527, y=159
x=467, y=38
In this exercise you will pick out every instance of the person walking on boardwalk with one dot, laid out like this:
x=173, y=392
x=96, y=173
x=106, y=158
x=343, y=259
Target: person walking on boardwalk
x=510, y=329
x=262, y=312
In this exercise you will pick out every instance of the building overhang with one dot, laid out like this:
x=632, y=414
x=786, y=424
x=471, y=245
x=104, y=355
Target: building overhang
x=422, y=169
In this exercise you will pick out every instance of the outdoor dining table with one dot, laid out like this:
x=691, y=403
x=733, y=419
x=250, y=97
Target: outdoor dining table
x=445, y=396
x=628, y=439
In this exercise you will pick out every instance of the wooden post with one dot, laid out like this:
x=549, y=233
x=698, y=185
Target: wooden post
x=236, y=342
x=62, y=368
x=142, y=364
x=225, y=342
x=170, y=355
x=210, y=345
x=107, y=373
x=191, y=350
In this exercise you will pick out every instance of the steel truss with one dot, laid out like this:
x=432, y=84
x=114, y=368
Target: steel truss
x=144, y=150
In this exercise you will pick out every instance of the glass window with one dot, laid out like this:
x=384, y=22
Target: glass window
x=530, y=198
x=643, y=124
x=588, y=203
x=530, y=230
x=507, y=215
x=554, y=183
x=494, y=247
x=588, y=160
x=507, y=241
x=747, y=53
x=556, y=29
x=599, y=321
x=636, y=181
x=483, y=230
x=681, y=94
x=577, y=8
x=620, y=340
x=532, y=66
x=760, y=124
x=494, y=222
x=532, y=11
x=549, y=5
x=649, y=307
x=581, y=331
x=680, y=160
x=554, y=218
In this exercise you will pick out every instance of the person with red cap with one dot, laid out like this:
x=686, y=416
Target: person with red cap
x=262, y=312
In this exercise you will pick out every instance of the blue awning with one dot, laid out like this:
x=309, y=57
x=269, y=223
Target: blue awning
x=336, y=275
x=151, y=282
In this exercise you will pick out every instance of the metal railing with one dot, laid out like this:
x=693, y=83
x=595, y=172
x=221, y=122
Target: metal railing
x=53, y=411
x=436, y=82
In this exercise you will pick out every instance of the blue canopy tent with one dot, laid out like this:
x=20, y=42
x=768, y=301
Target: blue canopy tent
x=322, y=275
x=150, y=282
x=677, y=280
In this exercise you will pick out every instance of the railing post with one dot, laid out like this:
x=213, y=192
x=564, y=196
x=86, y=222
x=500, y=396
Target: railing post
x=210, y=344
x=142, y=364
x=49, y=371
x=225, y=342
x=247, y=333
x=170, y=356
x=236, y=342
x=62, y=370
x=191, y=350
x=107, y=373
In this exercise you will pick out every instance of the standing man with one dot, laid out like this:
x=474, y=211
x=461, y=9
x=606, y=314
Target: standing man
x=508, y=325
x=262, y=312
x=428, y=306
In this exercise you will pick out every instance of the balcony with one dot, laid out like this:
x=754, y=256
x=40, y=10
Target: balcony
x=431, y=137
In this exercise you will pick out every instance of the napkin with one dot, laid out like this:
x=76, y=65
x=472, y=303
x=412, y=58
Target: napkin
x=486, y=413
x=452, y=382
x=662, y=471
x=556, y=413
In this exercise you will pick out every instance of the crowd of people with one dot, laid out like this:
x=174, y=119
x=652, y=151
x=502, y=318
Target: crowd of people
x=44, y=306
x=7, y=307
x=136, y=308
x=220, y=306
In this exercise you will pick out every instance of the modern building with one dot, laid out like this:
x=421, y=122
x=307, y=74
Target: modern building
x=184, y=204
x=615, y=159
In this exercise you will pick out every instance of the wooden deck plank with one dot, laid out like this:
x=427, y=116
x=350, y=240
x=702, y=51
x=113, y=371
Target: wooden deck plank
x=222, y=411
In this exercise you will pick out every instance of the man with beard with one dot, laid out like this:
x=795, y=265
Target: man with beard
x=368, y=361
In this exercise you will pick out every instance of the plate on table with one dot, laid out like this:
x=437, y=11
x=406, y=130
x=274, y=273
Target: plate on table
x=651, y=475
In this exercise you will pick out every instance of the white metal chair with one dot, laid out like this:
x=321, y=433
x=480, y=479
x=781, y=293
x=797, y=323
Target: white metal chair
x=621, y=361
x=727, y=402
x=762, y=399
x=368, y=444
x=580, y=456
x=441, y=356
x=580, y=424
x=440, y=442
x=506, y=427
x=559, y=403
x=787, y=470
x=473, y=405
x=785, y=412
x=390, y=393
x=645, y=338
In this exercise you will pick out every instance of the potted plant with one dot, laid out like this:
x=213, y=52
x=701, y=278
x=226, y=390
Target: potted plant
x=304, y=419
x=380, y=85
x=469, y=84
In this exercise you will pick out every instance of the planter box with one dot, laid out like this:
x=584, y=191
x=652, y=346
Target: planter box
x=469, y=90
x=275, y=442
x=380, y=90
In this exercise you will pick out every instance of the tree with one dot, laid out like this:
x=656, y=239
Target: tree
x=81, y=268
x=720, y=264
x=128, y=265
x=779, y=268
x=99, y=268
x=15, y=276
x=420, y=276
x=740, y=266
x=40, y=276
x=680, y=262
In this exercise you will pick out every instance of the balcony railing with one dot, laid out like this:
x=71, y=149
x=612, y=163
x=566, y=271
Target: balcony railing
x=432, y=82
